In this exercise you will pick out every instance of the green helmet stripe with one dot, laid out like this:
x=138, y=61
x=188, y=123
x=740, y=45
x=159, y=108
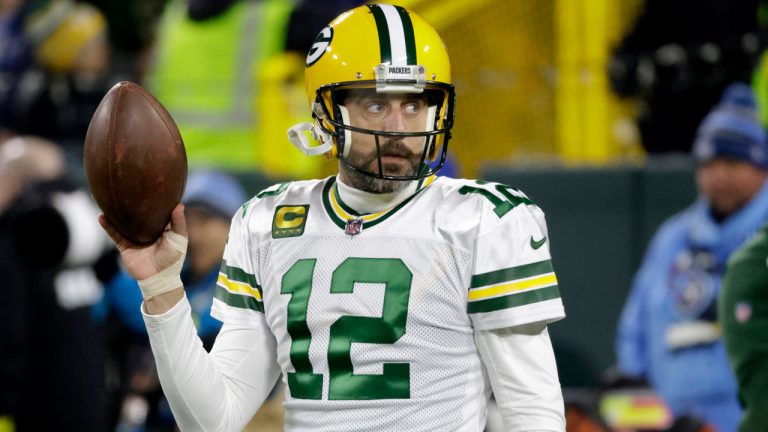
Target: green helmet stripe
x=383, y=29
x=396, y=37
x=410, y=39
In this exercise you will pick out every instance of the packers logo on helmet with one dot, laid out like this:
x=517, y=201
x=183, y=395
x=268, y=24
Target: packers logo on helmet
x=384, y=48
x=320, y=45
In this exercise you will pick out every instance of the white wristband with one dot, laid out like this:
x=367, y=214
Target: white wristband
x=169, y=278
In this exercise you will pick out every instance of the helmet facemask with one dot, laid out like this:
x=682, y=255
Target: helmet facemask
x=332, y=116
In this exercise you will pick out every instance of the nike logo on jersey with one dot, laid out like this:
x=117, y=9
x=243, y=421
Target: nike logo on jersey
x=535, y=244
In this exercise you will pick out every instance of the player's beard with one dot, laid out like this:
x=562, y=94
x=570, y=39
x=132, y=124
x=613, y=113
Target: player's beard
x=370, y=163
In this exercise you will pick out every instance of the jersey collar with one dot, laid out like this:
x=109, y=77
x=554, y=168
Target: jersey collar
x=340, y=213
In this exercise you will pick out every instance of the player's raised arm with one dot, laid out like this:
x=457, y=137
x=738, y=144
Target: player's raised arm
x=138, y=188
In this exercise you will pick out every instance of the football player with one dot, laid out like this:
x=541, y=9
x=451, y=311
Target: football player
x=388, y=298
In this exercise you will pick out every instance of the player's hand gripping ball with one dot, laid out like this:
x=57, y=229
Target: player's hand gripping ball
x=135, y=162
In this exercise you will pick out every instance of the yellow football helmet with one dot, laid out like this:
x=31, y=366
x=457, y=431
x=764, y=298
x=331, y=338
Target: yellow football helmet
x=386, y=48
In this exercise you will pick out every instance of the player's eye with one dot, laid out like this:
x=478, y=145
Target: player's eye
x=375, y=107
x=412, y=108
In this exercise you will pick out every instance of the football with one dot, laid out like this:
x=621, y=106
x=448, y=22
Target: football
x=135, y=162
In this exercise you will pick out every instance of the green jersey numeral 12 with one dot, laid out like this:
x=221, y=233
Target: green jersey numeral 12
x=394, y=382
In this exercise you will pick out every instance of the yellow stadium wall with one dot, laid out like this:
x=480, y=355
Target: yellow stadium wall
x=531, y=81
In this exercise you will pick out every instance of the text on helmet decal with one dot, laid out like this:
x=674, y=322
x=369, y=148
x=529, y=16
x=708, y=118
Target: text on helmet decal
x=399, y=70
x=396, y=79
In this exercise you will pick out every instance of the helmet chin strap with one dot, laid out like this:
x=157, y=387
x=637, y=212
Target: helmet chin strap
x=299, y=139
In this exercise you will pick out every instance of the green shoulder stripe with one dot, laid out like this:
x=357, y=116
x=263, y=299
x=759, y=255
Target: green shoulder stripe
x=515, y=300
x=512, y=273
x=238, y=301
x=236, y=274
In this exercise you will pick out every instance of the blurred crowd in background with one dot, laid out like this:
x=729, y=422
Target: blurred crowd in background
x=651, y=80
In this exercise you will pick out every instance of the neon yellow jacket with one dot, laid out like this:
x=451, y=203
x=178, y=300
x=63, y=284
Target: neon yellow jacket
x=206, y=75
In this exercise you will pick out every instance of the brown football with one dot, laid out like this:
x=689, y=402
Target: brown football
x=135, y=162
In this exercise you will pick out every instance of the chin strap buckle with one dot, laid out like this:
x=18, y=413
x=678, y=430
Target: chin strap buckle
x=298, y=137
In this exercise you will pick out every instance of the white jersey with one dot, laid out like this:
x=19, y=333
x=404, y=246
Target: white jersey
x=374, y=315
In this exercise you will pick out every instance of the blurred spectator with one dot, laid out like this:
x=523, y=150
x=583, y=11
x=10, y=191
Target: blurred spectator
x=15, y=58
x=58, y=96
x=229, y=73
x=132, y=29
x=211, y=199
x=52, y=263
x=208, y=53
x=69, y=37
x=678, y=58
x=668, y=332
x=743, y=312
x=282, y=99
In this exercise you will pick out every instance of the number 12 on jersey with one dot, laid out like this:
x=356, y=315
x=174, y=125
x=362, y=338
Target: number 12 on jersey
x=344, y=384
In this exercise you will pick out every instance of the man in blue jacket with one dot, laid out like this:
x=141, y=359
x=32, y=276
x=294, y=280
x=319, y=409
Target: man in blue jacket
x=668, y=332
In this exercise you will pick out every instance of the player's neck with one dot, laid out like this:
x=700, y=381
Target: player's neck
x=368, y=202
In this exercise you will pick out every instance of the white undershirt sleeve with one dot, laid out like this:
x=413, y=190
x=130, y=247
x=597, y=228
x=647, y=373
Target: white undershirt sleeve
x=523, y=374
x=219, y=391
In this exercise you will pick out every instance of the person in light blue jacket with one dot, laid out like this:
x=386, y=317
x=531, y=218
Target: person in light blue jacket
x=668, y=332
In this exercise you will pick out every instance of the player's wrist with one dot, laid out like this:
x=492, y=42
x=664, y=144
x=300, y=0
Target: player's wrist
x=161, y=304
x=169, y=278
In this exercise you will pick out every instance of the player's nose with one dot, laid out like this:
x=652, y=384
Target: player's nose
x=396, y=121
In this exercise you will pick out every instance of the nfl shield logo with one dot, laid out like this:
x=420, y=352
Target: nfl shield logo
x=354, y=226
x=743, y=312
